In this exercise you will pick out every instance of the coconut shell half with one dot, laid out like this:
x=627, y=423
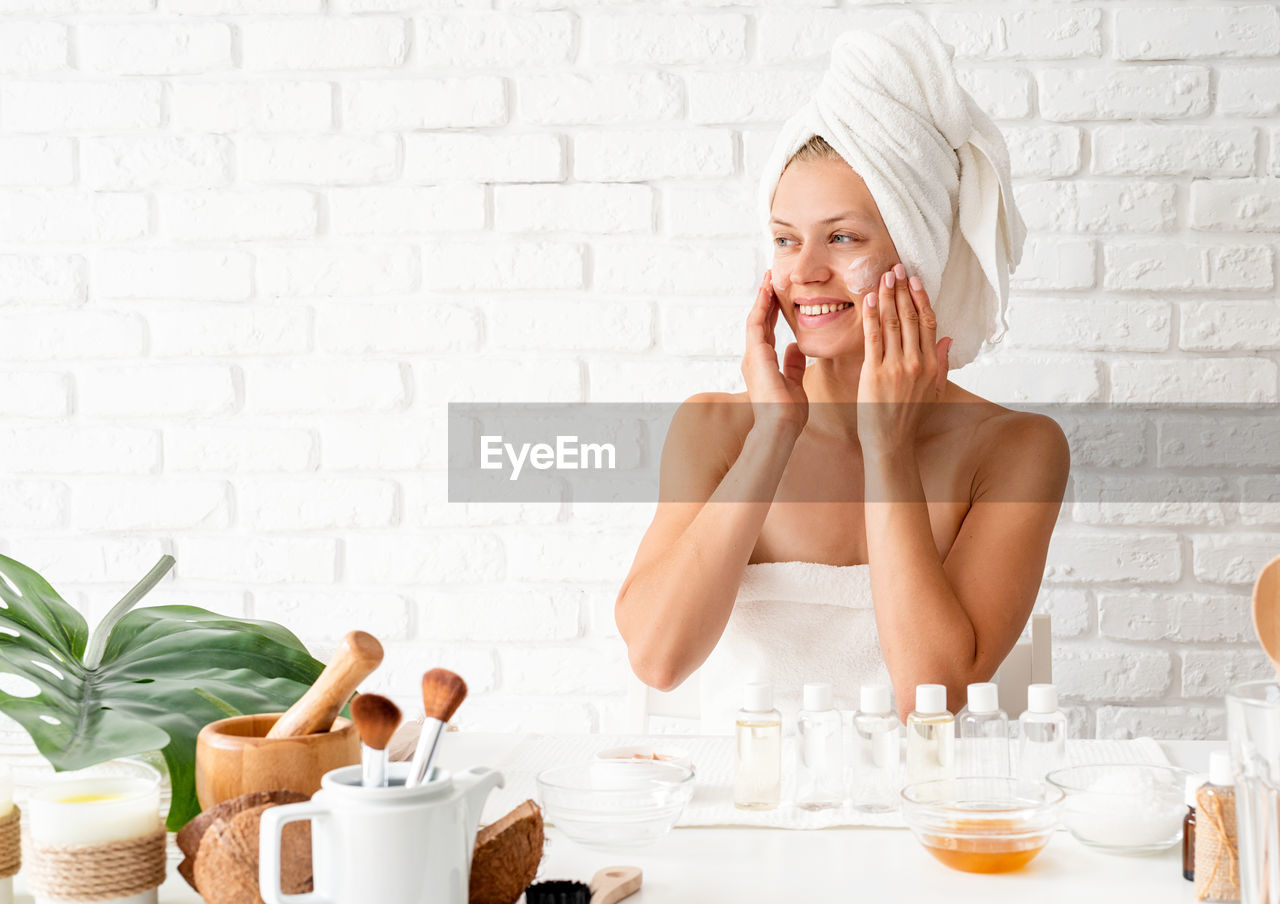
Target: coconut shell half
x=507, y=855
x=188, y=839
x=226, y=869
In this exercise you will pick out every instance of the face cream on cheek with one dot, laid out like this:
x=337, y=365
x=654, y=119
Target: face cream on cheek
x=863, y=274
x=860, y=275
x=780, y=278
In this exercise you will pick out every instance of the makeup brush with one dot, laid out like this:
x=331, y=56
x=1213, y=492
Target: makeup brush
x=356, y=657
x=376, y=719
x=442, y=694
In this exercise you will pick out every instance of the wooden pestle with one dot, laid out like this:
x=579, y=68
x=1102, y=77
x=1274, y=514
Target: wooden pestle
x=356, y=657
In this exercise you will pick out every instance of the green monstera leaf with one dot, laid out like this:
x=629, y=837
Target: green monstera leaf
x=149, y=679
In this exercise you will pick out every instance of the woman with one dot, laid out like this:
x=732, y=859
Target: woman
x=941, y=504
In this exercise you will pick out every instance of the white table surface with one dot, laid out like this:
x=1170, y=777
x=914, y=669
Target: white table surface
x=701, y=865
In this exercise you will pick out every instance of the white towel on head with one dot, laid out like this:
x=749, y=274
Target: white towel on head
x=936, y=165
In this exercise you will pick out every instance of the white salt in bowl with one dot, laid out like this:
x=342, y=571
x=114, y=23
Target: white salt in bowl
x=1123, y=808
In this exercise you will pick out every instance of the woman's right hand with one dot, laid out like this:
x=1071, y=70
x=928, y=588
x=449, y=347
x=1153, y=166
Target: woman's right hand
x=777, y=395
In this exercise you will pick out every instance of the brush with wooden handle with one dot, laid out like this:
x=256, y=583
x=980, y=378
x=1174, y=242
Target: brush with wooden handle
x=613, y=883
x=442, y=694
x=356, y=657
x=608, y=886
x=376, y=719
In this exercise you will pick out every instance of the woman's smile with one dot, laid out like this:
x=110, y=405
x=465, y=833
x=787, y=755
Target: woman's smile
x=813, y=313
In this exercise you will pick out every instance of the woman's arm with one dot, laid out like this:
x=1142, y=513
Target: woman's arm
x=948, y=623
x=954, y=622
x=678, y=596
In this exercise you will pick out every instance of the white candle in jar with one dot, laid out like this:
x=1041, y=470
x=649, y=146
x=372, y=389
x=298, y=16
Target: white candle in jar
x=96, y=810
x=6, y=807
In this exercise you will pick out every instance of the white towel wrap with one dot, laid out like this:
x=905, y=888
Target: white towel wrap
x=935, y=163
x=794, y=622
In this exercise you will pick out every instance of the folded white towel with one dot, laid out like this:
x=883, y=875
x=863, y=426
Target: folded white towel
x=936, y=165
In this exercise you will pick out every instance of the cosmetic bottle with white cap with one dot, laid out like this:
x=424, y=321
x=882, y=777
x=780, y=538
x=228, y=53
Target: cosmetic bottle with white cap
x=876, y=757
x=819, y=751
x=1042, y=734
x=758, y=783
x=984, y=734
x=931, y=736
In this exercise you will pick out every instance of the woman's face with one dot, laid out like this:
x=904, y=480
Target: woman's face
x=830, y=247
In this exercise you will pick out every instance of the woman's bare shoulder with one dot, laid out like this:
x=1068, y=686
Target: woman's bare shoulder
x=982, y=416
x=1007, y=440
x=726, y=414
x=703, y=440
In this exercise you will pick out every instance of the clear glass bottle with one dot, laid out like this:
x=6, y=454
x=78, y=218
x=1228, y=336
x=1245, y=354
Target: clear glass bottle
x=1042, y=734
x=758, y=783
x=984, y=734
x=1217, y=852
x=819, y=751
x=876, y=757
x=931, y=736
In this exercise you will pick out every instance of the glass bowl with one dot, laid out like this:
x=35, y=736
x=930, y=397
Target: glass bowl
x=613, y=807
x=982, y=825
x=1123, y=808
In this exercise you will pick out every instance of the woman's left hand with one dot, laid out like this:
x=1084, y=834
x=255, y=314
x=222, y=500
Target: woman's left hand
x=905, y=366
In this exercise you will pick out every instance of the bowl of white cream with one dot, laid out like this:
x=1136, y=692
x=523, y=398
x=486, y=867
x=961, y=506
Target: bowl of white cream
x=1123, y=808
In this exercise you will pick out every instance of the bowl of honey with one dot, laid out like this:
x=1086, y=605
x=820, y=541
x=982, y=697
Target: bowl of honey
x=982, y=825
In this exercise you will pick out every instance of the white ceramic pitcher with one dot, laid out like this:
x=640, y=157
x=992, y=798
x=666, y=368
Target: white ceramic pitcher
x=392, y=845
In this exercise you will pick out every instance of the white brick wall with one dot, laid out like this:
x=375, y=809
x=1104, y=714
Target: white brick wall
x=250, y=248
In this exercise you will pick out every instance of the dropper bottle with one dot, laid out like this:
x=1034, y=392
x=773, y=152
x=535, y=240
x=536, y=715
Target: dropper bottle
x=758, y=784
x=984, y=733
x=931, y=736
x=1189, y=827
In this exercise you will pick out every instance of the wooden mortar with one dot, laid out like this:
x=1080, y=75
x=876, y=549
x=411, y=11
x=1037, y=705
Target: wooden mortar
x=235, y=756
